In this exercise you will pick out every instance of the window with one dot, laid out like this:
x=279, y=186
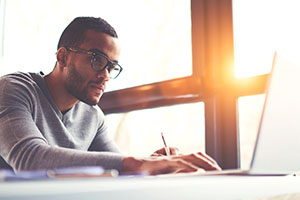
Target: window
x=138, y=132
x=250, y=110
x=259, y=31
x=213, y=70
x=155, y=36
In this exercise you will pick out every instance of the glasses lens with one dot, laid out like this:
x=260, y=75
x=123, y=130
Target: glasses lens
x=99, y=62
x=114, y=70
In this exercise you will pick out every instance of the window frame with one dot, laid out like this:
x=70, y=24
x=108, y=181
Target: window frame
x=212, y=82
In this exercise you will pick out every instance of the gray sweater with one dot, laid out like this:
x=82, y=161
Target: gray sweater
x=34, y=134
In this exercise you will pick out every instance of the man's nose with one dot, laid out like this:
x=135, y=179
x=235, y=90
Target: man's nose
x=104, y=74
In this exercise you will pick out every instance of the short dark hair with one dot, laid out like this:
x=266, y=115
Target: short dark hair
x=73, y=34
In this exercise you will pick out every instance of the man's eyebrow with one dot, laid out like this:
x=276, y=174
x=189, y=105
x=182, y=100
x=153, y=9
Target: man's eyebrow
x=97, y=51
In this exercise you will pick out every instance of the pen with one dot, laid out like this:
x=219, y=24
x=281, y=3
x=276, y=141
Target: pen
x=167, y=149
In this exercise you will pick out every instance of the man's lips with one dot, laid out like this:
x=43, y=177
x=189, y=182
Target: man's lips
x=98, y=87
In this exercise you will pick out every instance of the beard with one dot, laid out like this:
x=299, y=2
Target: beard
x=74, y=84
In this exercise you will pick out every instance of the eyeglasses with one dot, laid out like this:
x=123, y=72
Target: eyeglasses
x=99, y=62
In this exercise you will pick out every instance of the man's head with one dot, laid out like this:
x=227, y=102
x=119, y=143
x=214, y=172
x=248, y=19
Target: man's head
x=84, y=46
x=73, y=35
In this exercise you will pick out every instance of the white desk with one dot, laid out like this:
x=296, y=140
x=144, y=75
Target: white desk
x=185, y=188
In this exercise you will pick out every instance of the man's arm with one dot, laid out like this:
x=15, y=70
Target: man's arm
x=25, y=148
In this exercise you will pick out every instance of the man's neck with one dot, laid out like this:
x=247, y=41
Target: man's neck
x=63, y=100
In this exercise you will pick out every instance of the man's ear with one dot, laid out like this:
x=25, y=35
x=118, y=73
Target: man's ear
x=61, y=56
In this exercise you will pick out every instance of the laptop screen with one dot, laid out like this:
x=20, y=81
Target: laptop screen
x=277, y=148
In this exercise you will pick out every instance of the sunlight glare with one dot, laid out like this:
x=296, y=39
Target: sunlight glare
x=261, y=30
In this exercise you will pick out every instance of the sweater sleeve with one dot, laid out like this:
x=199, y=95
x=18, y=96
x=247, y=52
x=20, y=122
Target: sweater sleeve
x=25, y=148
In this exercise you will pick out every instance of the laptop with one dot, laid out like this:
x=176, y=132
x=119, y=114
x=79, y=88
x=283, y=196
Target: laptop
x=277, y=149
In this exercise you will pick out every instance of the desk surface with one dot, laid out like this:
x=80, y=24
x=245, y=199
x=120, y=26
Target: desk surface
x=191, y=187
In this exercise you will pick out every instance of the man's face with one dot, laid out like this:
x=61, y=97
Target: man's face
x=81, y=81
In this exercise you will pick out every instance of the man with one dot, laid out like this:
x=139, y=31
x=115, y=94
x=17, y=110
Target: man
x=53, y=121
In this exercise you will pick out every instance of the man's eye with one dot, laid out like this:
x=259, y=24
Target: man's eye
x=100, y=60
x=110, y=68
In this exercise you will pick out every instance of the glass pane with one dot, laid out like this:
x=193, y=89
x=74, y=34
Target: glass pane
x=250, y=109
x=155, y=36
x=139, y=132
x=262, y=27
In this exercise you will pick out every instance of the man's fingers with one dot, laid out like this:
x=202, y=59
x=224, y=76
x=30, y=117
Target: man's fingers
x=199, y=171
x=169, y=166
x=182, y=165
x=156, y=154
x=205, y=162
x=174, y=151
x=207, y=157
x=201, y=161
x=162, y=152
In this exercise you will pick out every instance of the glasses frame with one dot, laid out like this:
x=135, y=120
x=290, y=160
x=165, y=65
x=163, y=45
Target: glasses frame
x=109, y=65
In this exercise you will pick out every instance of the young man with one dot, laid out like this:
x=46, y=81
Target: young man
x=53, y=121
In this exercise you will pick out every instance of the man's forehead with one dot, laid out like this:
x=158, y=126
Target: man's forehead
x=100, y=42
x=94, y=37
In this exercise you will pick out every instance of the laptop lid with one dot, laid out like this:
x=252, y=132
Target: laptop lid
x=277, y=149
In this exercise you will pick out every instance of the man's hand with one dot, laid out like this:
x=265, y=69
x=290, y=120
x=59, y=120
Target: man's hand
x=200, y=160
x=162, y=152
x=168, y=165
